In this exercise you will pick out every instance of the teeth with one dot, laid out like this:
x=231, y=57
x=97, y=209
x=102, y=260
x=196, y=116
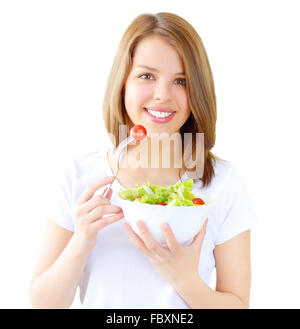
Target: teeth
x=159, y=114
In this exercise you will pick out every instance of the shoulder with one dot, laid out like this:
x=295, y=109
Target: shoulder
x=227, y=171
x=227, y=185
x=87, y=164
x=83, y=169
x=223, y=169
x=225, y=174
x=228, y=182
x=91, y=158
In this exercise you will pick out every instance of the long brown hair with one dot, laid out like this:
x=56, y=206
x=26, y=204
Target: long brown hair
x=200, y=85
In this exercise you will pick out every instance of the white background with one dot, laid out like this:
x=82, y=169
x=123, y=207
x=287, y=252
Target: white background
x=54, y=61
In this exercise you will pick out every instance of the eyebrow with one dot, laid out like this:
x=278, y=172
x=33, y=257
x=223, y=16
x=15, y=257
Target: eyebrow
x=156, y=70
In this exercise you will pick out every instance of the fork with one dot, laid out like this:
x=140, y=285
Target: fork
x=118, y=152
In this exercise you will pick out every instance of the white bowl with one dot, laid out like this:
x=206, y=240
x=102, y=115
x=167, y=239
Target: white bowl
x=185, y=222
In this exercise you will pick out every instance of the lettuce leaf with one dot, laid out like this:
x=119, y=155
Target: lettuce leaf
x=180, y=192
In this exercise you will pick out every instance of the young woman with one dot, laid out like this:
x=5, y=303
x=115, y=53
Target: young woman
x=161, y=67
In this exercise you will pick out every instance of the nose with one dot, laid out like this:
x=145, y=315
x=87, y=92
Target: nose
x=162, y=92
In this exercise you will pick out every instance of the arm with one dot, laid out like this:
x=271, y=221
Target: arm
x=233, y=278
x=58, y=270
x=64, y=254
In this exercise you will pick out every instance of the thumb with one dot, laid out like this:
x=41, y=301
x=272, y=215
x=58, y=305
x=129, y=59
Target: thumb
x=199, y=237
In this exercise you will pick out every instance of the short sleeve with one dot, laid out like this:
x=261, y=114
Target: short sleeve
x=239, y=214
x=59, y=204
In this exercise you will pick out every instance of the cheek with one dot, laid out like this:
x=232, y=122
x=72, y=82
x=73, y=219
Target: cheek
x=137, y=95
x=182, y=100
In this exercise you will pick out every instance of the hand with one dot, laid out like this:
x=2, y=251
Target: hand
x=89, y=213
x=175, y=263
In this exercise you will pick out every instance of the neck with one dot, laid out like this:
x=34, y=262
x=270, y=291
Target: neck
x=163, y=153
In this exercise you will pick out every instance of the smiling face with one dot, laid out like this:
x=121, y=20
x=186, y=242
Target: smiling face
x=157, y=83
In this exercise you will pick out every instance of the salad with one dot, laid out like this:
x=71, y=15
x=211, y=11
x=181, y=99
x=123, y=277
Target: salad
x=175, y=195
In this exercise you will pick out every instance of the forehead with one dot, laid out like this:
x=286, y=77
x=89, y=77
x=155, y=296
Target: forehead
x=155, y=51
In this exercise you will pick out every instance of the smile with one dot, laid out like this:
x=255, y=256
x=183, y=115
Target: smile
x=159, y=114
x=159, y=117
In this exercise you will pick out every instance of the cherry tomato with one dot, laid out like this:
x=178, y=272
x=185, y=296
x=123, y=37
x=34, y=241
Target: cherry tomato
x=138, y=132
x=198, y=201
x=161, y=204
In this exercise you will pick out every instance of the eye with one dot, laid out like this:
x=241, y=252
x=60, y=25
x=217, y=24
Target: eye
x=180, y=81
x=146, y=76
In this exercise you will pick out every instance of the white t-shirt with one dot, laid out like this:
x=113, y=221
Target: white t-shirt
x=117, y=274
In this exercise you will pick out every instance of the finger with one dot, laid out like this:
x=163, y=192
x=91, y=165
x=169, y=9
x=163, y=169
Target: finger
x=94, y=202
x=149, y=241
x=109, y=194
x=198, y=239
x=170, y=238
x=102, y=210
x=93, y=187
x=102, y=222
x=136, y=240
